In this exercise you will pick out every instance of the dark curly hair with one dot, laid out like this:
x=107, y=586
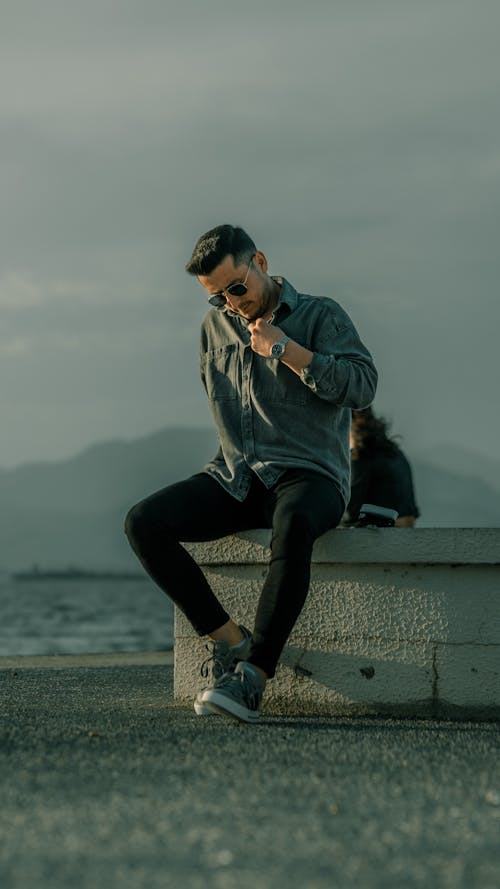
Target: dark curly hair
x=370, y=433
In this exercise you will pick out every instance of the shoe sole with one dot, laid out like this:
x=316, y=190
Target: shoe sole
x=201, y=709
x=224, y=706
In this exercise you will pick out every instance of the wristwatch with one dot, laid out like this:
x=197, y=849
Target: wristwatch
x=277, y=349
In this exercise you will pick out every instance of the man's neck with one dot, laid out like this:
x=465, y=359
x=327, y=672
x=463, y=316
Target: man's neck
x=274, y=296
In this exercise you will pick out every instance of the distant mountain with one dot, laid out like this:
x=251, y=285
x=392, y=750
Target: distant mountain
x=71, y=512
x=108, y=475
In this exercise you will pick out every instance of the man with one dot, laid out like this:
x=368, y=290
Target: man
x=281, y=371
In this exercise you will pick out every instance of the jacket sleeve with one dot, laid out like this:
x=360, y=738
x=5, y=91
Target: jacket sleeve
x=342, y=370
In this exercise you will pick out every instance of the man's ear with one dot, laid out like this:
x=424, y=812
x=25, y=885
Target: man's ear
x=261, y=261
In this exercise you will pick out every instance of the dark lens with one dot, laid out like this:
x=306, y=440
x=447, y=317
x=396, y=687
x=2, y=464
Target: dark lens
x=218, y=300
x=237, y=289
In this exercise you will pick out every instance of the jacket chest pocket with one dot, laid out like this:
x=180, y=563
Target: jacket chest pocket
x=220, y=367
x=278, y=383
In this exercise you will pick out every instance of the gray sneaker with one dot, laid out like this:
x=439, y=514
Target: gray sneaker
x=237, y=694
x=222, y=659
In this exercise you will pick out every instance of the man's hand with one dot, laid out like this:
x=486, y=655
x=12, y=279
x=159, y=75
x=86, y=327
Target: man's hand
x=263, y=336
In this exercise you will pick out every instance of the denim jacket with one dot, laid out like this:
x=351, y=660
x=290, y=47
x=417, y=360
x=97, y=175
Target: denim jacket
x=269, y=419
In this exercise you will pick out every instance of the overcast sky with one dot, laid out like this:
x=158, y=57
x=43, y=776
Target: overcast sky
x=357, y=141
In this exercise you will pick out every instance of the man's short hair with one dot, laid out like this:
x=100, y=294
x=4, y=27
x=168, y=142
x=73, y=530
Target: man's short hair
x=216, y=244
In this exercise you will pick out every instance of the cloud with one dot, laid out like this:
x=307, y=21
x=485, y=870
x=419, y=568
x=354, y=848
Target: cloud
x=16, y=347
x=18, y=290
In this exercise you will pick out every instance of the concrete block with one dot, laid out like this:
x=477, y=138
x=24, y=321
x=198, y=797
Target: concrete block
x=468, y=676
x=396, y=621
x=358, y=676
x=430, y=603
x=454, y=546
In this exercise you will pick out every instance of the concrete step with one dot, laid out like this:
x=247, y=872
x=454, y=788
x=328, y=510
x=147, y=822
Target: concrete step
x=396, y=621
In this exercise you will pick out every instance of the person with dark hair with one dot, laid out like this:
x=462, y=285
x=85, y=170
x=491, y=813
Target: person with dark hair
x=380, y=471
x=282, y=371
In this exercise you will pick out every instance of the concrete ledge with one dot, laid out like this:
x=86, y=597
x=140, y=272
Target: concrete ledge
x=397, y=621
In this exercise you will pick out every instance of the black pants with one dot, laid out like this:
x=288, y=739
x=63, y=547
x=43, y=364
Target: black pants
x=299, y=508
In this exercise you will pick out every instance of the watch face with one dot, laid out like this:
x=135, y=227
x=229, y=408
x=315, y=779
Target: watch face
x=277, y=350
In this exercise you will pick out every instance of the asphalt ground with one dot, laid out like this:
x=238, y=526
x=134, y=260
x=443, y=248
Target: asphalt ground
x=105, y=782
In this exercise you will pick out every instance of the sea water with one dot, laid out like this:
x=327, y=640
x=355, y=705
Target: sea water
x=83, y=616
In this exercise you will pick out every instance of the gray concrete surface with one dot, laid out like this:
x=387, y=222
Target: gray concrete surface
x=398, y=621
x=105, y=782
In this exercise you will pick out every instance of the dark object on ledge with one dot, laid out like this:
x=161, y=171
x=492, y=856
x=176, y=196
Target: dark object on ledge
x=371, y=516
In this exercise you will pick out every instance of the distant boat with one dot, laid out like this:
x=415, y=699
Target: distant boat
x=72, y=573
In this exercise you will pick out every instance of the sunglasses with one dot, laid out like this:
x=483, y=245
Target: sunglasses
x=238, y=289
